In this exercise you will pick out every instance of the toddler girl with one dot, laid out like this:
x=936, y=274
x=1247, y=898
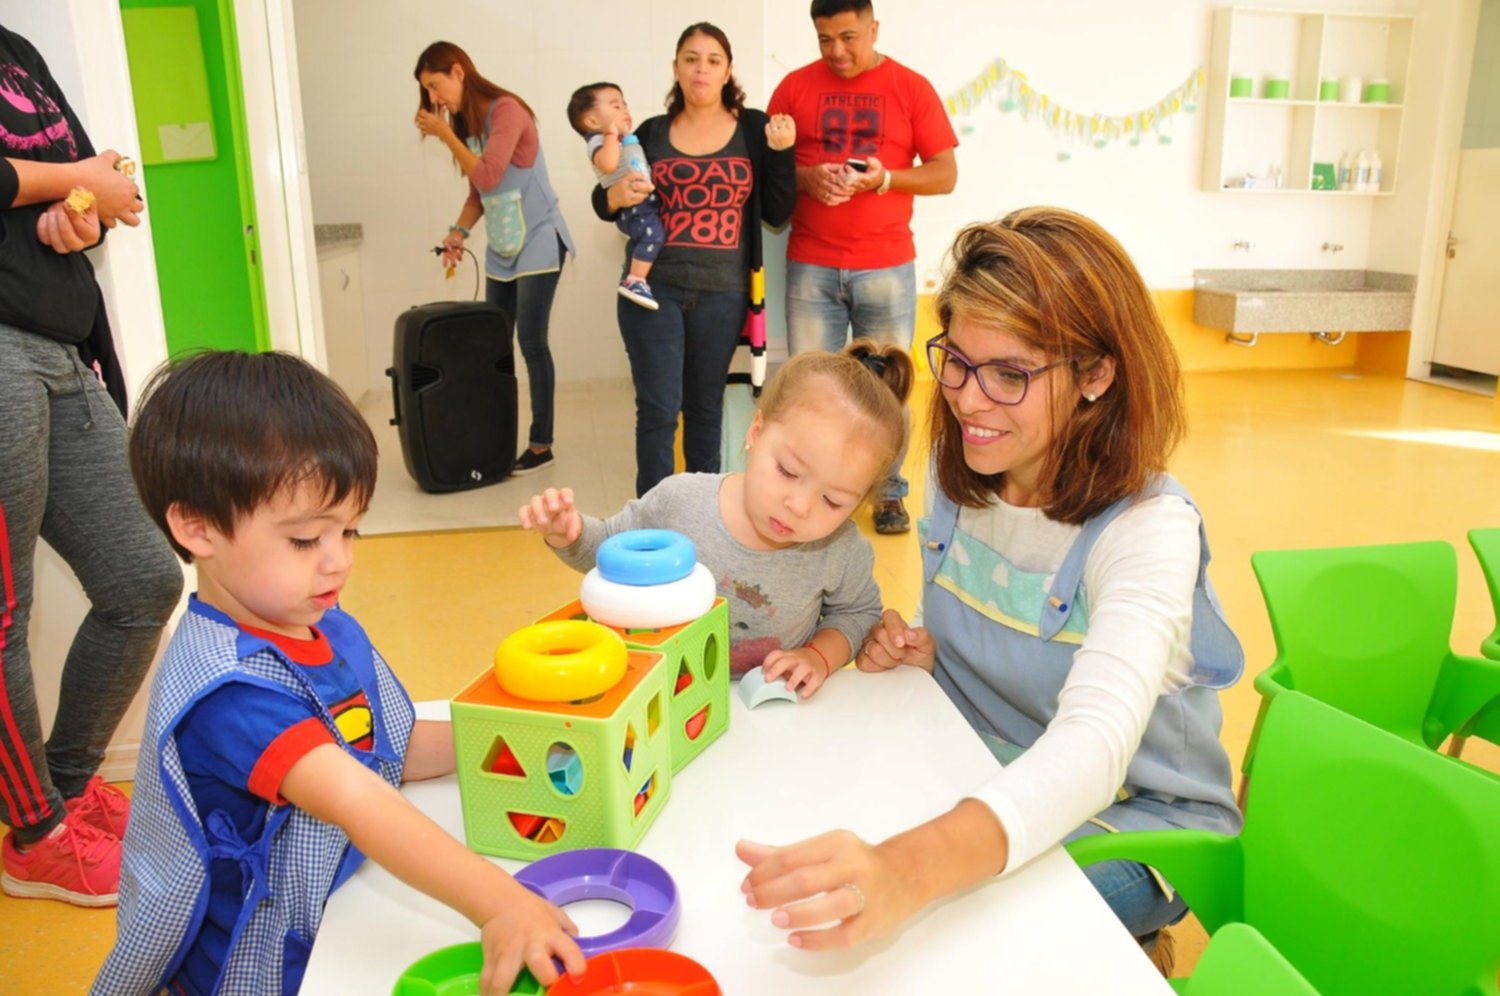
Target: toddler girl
x=798, y=575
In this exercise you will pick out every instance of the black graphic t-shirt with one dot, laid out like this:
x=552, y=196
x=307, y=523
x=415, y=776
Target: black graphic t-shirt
x=703, y=203
x=41, y=290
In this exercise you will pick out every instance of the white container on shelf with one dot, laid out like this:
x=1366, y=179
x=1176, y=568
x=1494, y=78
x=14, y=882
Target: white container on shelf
x=1372, y=182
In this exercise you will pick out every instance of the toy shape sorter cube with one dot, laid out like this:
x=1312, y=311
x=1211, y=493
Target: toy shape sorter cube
x=696, y=655
x=537, y=777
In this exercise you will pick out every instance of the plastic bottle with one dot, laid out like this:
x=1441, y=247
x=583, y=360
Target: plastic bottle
x=633, y=157
x=1345, y=175
x=1362, y=173
x=1375, y=173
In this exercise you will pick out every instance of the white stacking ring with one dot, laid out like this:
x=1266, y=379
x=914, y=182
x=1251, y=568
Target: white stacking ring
x=648, y=606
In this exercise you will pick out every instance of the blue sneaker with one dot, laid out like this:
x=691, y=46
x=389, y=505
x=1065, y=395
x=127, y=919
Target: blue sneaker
x=637, y=290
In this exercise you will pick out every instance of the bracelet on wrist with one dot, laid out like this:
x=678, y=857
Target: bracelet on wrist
x=885, y=184
x=827, y=667
x=461, y=230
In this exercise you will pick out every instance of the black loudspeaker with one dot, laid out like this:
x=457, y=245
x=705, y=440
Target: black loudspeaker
x=454, y=386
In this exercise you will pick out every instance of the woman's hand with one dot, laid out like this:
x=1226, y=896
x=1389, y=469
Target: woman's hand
x=857, y=890
x=552, y=514
x=527, y=930
x=453, y=248
x=116, y=197
x=781, y=132
x=429, y=123
x=628, y=192
x=64, y=230
x=892, y=643
x=803, y=667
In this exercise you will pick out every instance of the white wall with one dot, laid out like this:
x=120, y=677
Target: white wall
x=83, y=44
x=1093, y=55
x=368, y=165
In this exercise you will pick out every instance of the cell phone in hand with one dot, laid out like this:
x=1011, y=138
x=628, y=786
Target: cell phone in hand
x=858, y=165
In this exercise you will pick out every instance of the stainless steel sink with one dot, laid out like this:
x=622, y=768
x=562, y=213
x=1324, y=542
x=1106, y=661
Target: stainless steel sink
x=1316, y=301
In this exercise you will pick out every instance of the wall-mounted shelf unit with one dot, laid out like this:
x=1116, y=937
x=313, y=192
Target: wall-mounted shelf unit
x=1252, y=136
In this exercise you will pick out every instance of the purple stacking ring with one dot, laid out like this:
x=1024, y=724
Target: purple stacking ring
x=621, y=876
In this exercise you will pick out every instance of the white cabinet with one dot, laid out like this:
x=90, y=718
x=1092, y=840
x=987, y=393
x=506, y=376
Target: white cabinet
x=344, y=320
x=1254, y=136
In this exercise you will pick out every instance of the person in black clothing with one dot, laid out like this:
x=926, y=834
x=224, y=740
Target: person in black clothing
x=64, y=478
x=719, y=169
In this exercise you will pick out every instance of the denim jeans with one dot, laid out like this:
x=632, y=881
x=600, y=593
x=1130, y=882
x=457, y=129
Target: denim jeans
x=528, y=302
x=679, y=359
x=826, y=307
x=1127, y=886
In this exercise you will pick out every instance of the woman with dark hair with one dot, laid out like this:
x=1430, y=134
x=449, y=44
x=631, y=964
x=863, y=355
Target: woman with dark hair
x=492, y=135
x=1066, y=609
x=719, y=169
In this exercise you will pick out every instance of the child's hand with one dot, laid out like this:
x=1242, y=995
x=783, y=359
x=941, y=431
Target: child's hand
x=552, y=514
x=781, y=132
x=804, y=669
x=892, y=643
x=527, y=931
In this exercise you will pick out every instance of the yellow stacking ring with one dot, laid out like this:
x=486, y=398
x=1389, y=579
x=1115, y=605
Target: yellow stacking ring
x=561, y=661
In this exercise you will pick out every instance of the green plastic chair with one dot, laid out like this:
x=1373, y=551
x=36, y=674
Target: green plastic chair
x=1486, y=544
x=1372, y=865
x=1239, y=961
x=1366, y=629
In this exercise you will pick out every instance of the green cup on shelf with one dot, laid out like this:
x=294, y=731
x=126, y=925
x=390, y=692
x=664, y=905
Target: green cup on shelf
x=1240, y=86
x=1328, y=90
x=1276, y=88
x=1378, y=92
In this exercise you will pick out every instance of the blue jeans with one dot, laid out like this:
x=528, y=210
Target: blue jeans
x=679, y=359
x=528, y=302
x=1127, y=886
x=826, y=307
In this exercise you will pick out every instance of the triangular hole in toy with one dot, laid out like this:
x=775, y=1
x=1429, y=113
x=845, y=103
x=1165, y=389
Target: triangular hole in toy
x=695, y=724
x=500, y=760
x=684, y=678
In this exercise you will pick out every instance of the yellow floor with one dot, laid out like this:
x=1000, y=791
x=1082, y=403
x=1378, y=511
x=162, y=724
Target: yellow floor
x=1275, y=459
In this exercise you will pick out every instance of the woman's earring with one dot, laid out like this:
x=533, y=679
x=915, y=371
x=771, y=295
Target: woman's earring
x=1091, y=397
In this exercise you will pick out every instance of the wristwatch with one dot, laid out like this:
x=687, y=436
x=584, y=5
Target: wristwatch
x=885, y=184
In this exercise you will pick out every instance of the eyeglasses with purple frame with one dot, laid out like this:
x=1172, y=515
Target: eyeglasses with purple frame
x=1001, y=382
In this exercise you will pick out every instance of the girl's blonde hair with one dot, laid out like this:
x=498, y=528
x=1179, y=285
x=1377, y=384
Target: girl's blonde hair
x=870, y=379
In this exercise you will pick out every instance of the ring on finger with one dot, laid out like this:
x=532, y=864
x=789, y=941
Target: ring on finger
x=859, y=894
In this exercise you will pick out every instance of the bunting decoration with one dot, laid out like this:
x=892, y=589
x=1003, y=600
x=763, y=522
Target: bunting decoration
x=1012, y=92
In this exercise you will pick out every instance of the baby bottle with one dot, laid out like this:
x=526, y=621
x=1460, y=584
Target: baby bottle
x=634, y=157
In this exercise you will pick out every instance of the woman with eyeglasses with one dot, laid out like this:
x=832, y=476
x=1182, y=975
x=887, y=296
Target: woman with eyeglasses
x=1066, y=609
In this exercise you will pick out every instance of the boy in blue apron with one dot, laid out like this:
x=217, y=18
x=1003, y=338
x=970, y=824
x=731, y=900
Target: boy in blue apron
x=276, y=736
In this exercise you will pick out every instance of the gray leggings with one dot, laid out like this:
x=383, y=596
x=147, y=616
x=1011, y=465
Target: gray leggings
x=64, y=476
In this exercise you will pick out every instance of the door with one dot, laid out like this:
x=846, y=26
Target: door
x=184, y=72
x=1468, y=326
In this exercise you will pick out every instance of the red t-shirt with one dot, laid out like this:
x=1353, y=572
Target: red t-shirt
x=889, y=112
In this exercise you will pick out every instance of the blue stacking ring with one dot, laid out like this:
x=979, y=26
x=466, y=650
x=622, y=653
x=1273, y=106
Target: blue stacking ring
x=645, y=557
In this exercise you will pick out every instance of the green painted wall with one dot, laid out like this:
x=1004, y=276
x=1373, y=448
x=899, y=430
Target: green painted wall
x=1482, y=119
x=202, y=209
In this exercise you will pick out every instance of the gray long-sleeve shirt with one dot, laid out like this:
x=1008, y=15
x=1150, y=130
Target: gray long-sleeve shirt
x=777, y=598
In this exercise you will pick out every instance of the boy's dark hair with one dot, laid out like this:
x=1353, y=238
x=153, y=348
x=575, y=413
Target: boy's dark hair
x=833, y=8
x=582, y=102
x=221, y=433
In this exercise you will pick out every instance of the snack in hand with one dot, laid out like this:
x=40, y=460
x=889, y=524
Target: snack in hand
x=80, y=200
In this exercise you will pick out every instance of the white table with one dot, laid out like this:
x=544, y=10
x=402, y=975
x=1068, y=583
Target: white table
x=871, y=753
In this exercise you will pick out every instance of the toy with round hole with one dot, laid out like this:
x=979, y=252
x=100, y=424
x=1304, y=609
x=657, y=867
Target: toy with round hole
x=563, y=743
x=648, y=586
x=647, y=579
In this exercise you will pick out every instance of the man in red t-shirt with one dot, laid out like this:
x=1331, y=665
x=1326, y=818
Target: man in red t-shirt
x=871, y=135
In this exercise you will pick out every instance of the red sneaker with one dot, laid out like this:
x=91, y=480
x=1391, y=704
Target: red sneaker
x=76, y=864
x=102, y=807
